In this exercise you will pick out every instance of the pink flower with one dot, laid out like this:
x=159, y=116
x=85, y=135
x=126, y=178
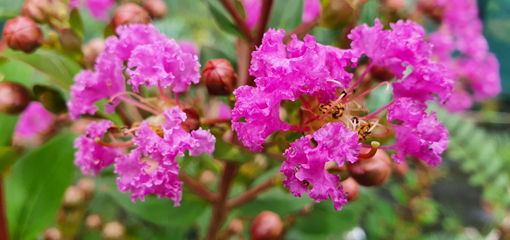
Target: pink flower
x=163, y=64
x=190, y=47
x=311, y=10
x=305, y=164
x=99, y=8
x=33, y=120
x=91, y=156
x=419, y=135
x=130, y=37
x=163, y=181
x=252, y=9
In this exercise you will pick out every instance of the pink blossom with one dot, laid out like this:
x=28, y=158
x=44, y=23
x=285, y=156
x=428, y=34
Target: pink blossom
x=99, y=8
x=91, y=156
x=312, y=9
x=252, y=9
x=190, y=47
x=33, y=120
x=305, y=163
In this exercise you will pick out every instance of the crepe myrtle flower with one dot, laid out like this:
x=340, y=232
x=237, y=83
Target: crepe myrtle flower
x=152, y=60
x=332, y=119
x=474, y=68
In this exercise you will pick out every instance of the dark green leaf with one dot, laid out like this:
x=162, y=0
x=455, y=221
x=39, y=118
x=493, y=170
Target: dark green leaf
x=58, y=68
x=108, y=31
x=7, y=124
x=50, y=98
x=286, y=14
x=76, y=22
x=220, y=15
x=369, y=13
x=275, y=200
x=8, y=156
x=228, y=152
x=36, y=185
x=162, y=211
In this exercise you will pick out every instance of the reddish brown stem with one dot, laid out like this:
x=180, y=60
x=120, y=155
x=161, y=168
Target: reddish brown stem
x=197, y=188
x=239, y=21
x=4, y=227
x=265, y=13
x=123, y=115
x=250, y=194
x=220, y=209
x=300, y=30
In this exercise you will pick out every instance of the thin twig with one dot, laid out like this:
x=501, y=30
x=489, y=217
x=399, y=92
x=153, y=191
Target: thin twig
x=265, y=13
x=4, y=229
x=197, y=188
x=250, y=194
x=240, y=23
x=123, y=115
x=220, y=209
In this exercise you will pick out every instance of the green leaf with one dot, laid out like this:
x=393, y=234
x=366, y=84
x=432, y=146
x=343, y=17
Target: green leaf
x=277, y=201
x=8, y=156
x=36, y=185
x=17, y=72
x=58, y=68
x=7, y=124
x=228, y=152
x=286, y=14
x=369, y=13
x=76, y=22
x=161, y=211
x=108, y=31
x=220, y=15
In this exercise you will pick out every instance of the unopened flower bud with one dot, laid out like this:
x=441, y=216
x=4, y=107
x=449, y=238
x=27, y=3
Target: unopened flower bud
x=381, y=73
x=93, y=221
x=266, y=226
x=130, y=13
x=22, y=33
x=431, y=8
x=338, y=13
x=52, y=234
x=113, y=231
x=401, y=168
x=73, y=197
x=70, y=40
x=351, y=187
x=50, y=98
x=396, y=5
x=91, y=51
x=219, y=77
x=156, y=8
x=373, y=171
x=207, y=177
x=192, y=121
x=87, y=185
x=235, y=226
x=14, y=97
x=37, y=10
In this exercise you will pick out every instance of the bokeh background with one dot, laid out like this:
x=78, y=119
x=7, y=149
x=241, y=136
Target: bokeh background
x=466, y=197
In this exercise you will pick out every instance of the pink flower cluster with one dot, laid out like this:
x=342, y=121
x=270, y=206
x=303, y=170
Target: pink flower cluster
x=153, y=60
x=97, y=8
x=475, y=69
x=311, y=10
x=305, y=68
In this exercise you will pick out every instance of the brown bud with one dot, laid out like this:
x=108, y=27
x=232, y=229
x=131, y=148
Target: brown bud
x=156, y=8
x=219, y=77
x=52, y=234
x=235, y=226
x=207, y=177
x=70, y=40
x=266, y=226
x=431, y=8
x=87, y=185
x=73, y=197
x=130, y=13
x=37, y=10
x=396, y=5
x=113, y=231
x=351, y=187
x=338, y=13
x=192, y=121
x=381, y=73
x=401, y=169
x=14, y=97
x=22, y=33
x=91, y=51
x=371, y=172
x=93, y=221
